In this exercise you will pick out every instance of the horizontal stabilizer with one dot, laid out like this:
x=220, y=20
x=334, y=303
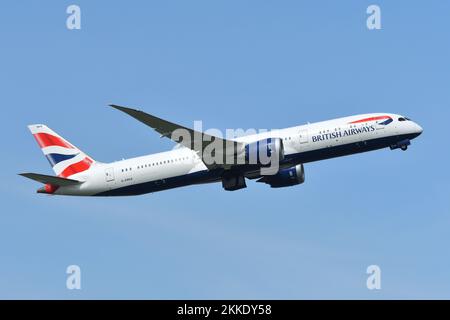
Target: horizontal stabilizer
x=56, y=181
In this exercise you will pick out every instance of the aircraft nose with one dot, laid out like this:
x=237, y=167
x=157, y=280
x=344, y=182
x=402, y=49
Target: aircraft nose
x=418, y=129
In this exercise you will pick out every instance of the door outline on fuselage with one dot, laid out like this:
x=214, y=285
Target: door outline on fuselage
x=303, y=136
x=109, y=175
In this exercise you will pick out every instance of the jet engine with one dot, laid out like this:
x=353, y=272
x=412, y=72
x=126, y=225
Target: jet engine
x=264, y=151
x=285, y=177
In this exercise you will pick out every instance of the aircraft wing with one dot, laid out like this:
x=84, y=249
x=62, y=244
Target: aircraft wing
x=198, y=142
x=56, y=181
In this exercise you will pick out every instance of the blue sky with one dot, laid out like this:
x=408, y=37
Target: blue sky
x=232, y=64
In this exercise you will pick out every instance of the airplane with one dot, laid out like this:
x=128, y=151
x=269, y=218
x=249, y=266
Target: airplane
x=78, y=174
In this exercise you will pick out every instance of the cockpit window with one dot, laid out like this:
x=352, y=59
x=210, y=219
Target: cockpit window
x=407, y=119
x=401, y=119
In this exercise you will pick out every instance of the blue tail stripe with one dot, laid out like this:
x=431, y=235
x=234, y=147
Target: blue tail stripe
x=55, y=158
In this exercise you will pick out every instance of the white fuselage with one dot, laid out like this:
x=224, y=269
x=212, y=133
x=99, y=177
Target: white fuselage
x=182, y=166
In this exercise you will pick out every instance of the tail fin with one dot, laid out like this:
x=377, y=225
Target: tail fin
x=65, y=159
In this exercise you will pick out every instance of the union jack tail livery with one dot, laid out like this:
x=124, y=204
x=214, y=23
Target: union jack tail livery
x=65, y=159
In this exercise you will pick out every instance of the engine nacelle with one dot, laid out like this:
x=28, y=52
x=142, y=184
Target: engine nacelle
x=285, y=177
x=263, y=152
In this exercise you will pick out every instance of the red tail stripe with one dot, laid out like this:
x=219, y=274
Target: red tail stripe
x=78, y=167
x=371, y=119
x=48, y=140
